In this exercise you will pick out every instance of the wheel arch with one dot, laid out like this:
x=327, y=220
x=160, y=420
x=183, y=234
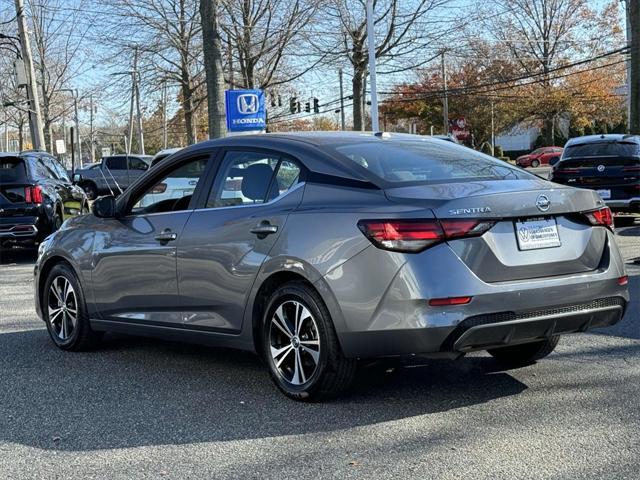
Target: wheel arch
x=46, y=268
x=278, y=278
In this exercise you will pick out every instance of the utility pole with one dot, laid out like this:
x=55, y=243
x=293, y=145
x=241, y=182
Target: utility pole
x=633, y=83
x=91, y=139
x=77, y=122
x=445, y=102
x=6, y=131
x=135, y=95
x=164, y=114
x=372, y=66
x=341, y=100
x=35, y=117
x=493, y=137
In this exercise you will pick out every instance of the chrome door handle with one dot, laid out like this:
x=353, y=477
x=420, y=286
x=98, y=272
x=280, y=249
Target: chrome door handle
x=263, y=229
x=166, y=236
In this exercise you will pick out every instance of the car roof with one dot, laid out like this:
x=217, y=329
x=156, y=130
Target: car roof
x=610, y=137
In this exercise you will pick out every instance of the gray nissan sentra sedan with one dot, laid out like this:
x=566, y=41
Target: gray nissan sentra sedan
x=316, y=250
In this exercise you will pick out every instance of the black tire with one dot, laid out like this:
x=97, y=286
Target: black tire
x=525, y=354
x=81, y=336
x=90, y=190
x=333, y=373
x=535, y=163
x=57, y=221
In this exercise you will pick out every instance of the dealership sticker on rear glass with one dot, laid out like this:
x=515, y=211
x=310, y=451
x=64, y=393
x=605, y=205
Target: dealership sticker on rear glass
x=534, y=234
x=604, y=194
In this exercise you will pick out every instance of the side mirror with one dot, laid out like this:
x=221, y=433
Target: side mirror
x=104, y=207
x=77, y=178
x=554, y=160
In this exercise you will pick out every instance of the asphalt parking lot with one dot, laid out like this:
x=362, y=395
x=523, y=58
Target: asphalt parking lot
x=138, y=408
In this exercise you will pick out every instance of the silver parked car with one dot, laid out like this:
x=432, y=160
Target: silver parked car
x=339, y=247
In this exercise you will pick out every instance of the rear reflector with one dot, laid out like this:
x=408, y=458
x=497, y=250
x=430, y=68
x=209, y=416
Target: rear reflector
x=443, y=302
x=601, y=217
x=412, y=235
x=622, y=281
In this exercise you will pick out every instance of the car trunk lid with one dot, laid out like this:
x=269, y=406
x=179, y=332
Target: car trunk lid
x=518, y=207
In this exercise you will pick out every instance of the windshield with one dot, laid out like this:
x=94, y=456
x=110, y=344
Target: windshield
x=413, y=161
x=603, y=149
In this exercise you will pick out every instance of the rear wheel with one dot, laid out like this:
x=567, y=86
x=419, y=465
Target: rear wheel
x=301, y=347
x=519, y=355
x=535, y=163
x=65, y=311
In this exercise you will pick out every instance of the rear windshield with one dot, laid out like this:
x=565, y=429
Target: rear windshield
x=413, y=161
x=12, y=170
x=602, y=149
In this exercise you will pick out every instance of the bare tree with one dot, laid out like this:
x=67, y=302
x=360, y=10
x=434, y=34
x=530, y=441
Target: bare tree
x=261, y=34
x=59, y=30
x=212, y=47
x=167, y=35
x=403, y=38
x=542, y=34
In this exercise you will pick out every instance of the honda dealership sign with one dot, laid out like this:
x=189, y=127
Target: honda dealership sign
x=245, y=110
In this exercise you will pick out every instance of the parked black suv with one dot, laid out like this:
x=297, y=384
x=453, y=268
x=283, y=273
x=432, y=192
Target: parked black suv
x=36, y=196
x=609, y=164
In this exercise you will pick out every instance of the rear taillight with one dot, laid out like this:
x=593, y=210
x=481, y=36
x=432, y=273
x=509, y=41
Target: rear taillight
x=416, y=235
x=633, y=168
x=567, y=171
x=33, y=194
x=601, y=217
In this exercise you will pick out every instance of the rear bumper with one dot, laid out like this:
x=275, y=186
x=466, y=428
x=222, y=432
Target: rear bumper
x=19, y=230
x=488, y=331
x=627, y=204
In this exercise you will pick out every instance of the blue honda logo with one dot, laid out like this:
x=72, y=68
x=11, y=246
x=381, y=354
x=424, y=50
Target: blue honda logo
x=245, y=110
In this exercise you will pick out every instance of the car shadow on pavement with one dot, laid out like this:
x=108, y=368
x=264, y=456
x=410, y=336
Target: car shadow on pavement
x=17, y=256
x=138, y=392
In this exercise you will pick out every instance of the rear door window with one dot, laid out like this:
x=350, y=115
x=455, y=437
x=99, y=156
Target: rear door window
x=244, y=179
x=116, y=163
x=602, y=149
x=415, y=162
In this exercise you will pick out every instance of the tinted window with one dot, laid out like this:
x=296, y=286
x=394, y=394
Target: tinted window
x=604, y=149
x=136, y=163
x=287, y=176
x=244, y=180
x=60, y=171
x=116, y=163
x=412, y=161
x=12, y=170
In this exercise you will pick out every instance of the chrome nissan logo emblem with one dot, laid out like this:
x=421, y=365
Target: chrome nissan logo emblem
x=543, y=203
x=600, y=168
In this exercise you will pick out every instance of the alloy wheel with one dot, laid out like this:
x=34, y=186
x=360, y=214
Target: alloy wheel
x=294, y=342
x=62, y=304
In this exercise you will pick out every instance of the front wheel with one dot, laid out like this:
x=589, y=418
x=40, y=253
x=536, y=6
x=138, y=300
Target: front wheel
x=301, y=347
x=65, y=311
x=519, y=355
x=535, y=163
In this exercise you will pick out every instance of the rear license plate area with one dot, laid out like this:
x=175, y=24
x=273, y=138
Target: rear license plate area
x=537, y=233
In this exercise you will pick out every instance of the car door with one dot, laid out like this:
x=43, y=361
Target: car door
x=225, y=243
x=134, y=256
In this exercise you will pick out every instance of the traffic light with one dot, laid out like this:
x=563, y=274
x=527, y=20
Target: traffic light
x=293, y=105
x=307, y=107
x=316, y=105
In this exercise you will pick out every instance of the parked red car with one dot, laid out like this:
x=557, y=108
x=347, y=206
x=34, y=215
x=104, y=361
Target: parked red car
x=540, y=156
